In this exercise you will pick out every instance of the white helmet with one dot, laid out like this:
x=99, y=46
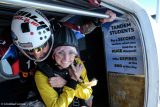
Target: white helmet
x=31, y=30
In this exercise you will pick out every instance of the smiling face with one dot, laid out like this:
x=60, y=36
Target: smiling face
x=64, y=55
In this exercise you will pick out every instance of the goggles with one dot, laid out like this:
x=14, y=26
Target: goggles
x=62, y=54
x=38, y=49
x=40, y=53
x=62, y=51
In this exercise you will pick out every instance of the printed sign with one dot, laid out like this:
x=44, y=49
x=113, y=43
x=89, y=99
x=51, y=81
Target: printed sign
x=123, y=47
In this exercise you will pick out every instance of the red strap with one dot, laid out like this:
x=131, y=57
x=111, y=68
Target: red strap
x=72, y=26
x=15, y=67
x=94, y=2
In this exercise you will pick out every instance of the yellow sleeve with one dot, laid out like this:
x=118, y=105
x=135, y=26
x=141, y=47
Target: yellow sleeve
x=50, y=96
x=81, y=87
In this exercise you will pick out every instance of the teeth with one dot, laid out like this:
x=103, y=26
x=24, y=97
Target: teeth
x=65, y=63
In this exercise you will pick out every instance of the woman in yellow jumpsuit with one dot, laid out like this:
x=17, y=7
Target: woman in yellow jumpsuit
x=70, y=80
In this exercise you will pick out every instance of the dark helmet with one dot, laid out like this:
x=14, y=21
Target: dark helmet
x=65, y=36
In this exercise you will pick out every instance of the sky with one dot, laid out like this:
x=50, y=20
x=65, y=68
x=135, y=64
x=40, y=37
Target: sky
x=149, y=5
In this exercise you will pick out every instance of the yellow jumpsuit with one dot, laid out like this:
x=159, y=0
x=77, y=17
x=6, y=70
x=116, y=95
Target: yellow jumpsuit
x=51, y=97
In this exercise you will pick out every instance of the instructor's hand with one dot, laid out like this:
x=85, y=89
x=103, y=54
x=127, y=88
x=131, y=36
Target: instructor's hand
x=76, y=71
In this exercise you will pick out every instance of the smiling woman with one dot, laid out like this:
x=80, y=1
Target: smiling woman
x=72, y=89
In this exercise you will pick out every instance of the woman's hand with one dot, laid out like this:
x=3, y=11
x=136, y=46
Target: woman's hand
x=110, y=19
x=75, y=71
x=57, y=82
